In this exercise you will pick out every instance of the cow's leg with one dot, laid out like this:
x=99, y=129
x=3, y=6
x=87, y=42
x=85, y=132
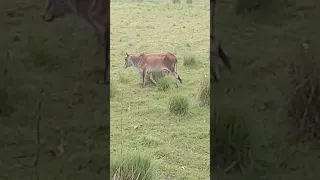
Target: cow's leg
x=152, y=80
x=144, y=77
x=177, y=77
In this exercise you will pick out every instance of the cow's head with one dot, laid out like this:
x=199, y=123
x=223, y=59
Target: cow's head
x=56, y=9
x=127, y=62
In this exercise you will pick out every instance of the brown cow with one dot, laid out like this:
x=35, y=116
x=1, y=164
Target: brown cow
x=149, y=63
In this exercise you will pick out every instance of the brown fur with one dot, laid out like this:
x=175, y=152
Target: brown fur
x=146, y=62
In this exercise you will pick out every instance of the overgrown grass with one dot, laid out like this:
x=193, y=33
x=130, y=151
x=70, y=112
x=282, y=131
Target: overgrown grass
x=176, y=141
x=163, y=84
x=304, y=102
x=131, y=166
x=178, y=105
x=231, y=139
x=189, y=60
x=204, y=92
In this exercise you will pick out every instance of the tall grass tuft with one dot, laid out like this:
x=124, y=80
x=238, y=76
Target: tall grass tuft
x=231, y=139
x=178, y=105
x=189, y=60
x=304, y=102
x=163, y=84
x=204, y=92
x=131, y=166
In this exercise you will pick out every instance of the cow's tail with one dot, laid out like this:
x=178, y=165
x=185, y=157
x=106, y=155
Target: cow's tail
x=176, y=70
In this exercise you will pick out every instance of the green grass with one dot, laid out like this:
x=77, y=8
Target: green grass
x=262, y=44
x=59, y=58
x=131, y=166
x=180, y=144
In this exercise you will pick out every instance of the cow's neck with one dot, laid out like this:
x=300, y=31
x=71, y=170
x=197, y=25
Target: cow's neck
x=134, y=61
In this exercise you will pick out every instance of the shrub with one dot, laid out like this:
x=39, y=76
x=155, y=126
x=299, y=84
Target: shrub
x=176, y=1
x=131, y=166
x=231, y=139
x=178, y=105
x=204, y=92
x=304, y=102
x=189, y=1
x=189, y=60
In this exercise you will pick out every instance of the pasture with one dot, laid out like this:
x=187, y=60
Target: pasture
x=263, y=44
x=53, y=63
x=140, y=119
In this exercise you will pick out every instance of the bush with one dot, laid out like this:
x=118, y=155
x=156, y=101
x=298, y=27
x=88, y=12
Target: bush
x=204, y=92
x=131, y=166
x=163, y=84
x=178, y=105
x=189, y=60
x=304, y=102
x=176, y=1
x=231, y=139
x=189, y=1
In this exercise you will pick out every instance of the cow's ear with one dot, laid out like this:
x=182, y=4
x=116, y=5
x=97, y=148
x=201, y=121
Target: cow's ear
x=127, y=54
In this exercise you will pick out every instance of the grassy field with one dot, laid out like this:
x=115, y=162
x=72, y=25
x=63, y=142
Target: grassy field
x=140, y=118
x=58, y=58
x=262, y=45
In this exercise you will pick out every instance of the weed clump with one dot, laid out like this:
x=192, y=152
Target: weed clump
x=189, y=60
x=163, y=84
x=204, y=92
x=231, y=139
x=176, y=1
x=304, y=101
x=131, y=165
x=178, y=105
